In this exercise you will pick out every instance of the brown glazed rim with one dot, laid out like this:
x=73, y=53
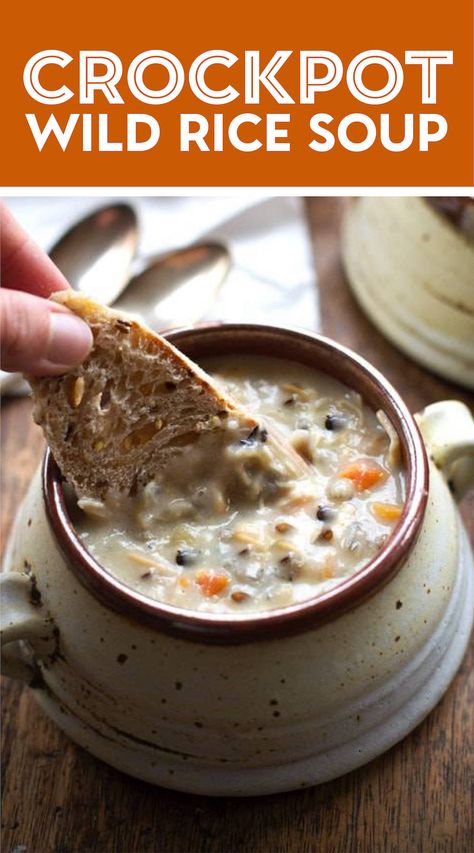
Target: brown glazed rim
x=331, y=358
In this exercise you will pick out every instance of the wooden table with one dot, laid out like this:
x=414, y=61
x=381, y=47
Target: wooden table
x=414, y=799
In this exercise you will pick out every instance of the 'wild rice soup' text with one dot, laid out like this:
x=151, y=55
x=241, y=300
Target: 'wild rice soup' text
x=219, y=530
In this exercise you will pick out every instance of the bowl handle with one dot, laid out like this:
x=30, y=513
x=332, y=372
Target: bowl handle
x=448, y=430
x=21, y=619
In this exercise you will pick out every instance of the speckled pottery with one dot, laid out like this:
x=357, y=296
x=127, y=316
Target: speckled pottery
x=262, y=703
x=411, y=267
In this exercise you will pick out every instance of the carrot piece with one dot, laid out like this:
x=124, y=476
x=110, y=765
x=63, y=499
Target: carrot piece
x=211, y=583
x=386, y=512
x=364, y=474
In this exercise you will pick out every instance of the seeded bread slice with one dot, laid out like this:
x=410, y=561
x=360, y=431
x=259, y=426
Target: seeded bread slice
x=134, y=403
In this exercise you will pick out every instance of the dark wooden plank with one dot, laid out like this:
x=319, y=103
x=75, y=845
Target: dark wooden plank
x=414, y=799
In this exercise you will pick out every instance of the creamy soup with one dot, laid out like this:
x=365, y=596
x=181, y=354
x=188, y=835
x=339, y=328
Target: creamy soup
x=221, y=529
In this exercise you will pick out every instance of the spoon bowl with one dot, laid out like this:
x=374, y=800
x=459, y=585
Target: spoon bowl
x=176, y=289
x=95, y=254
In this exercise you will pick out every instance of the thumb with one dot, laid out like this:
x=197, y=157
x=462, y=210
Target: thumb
x=39, y=337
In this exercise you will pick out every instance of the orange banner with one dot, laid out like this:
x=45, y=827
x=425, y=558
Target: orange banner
x=244, y=94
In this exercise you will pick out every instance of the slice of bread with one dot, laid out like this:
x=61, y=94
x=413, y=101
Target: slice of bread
x=134, y=403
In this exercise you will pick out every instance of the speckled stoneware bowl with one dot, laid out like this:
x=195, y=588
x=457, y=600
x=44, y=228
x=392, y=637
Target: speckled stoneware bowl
x=410, y=263
x=254, y=704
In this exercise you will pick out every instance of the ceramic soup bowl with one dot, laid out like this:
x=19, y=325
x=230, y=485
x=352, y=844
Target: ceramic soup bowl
x=265, y=702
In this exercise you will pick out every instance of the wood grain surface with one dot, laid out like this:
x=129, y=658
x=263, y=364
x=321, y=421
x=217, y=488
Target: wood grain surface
x=417, y=798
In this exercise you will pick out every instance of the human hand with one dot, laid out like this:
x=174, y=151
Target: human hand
x=37, y=337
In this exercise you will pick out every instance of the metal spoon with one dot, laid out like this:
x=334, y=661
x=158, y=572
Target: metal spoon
x=178, y=288
x=95, y=255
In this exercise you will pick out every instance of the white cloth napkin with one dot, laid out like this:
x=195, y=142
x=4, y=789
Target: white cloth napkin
x=273, y=278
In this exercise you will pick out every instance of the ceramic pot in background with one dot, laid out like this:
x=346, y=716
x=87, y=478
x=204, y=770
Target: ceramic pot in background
x=410, y=263
x=267, y=702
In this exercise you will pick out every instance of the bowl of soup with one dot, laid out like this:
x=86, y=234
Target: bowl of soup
x=225, y=632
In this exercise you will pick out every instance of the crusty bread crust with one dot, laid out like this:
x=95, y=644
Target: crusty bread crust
x=135, y=402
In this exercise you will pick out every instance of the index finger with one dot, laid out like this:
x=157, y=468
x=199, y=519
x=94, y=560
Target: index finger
x=24, y=265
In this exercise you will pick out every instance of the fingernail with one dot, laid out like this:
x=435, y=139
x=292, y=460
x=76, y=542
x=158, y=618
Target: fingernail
x=70, y=339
